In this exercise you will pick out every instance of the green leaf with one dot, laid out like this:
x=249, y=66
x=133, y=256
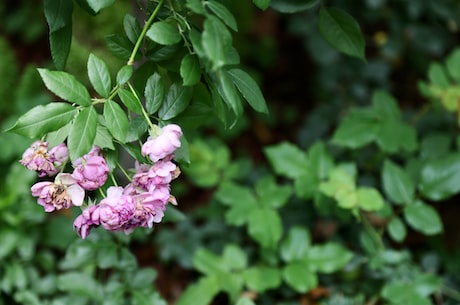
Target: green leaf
x=154, y=93
x=321, y=161
x=423, y=218
x=265, y=226
x=369, y=199
x=207, y=262
x=397, y=184
x=119, y=45
x=228, y=92
x=57, y=137
x=58, y=14
x=83, y=133
x=437, y=75
x=328, y=258
x=396, y=229
x=99, y=75
x=43, y=119
x=260, y=279
x=97, y=5
x=116, y=120
x=403, y=293
x=453, y=65
x=190, y=70
x=287, y=159
x=299, y=277
x=272, y=195
x=245, y=301
x=196, y=6
x=80, y=284
x=262, y=4
x=359, y=128
x=223, y=13
x=386, y=105
x=341, y=31
x=124, y=74
x=103, y=138
x=130, y=100
x=177, y=99
x=143, y=278
x=107, y=255
x=440, y=177
x=234, y=258
x=293, y=6
x=295, y=245
x=216, y=41
x=240, y=199
x=9, y=241
x=200, y=293
x=249, y=89
x=66, y=86
x=131, y=27
x=60, y=42
x=164, y=33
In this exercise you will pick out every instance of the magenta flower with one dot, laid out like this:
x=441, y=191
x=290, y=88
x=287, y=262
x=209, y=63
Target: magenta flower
x=116, y=210
x=88, y=219
x=46, y=163
x=91, y=170
x=162, y=142
x=62, y=194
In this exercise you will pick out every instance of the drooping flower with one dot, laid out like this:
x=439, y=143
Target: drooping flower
x=62, y=194
x=91, y=170
x=150, y=207
x=88, y=219
x=45, y=163
x=162, y=142
x=116, y=210
x=160, y=173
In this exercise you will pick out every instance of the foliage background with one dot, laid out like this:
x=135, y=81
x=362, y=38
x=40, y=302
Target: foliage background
x=309, y=87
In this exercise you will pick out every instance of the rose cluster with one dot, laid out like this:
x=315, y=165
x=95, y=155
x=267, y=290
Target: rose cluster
x=141, y=203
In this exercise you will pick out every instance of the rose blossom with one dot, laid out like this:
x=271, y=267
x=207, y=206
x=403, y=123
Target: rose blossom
x=161, y=173
x=62, y=194
x=162, y=142
x=38, y=158
x=116, y=210
x=88, y=219
x=150, y=207
x=91, y=170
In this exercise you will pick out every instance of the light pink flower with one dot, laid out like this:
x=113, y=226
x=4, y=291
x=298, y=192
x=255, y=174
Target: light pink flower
x=62, y=194
x=162, y=142
x=91, y=170
x=150, y=207
x=46, y=163
x=88, y=219
x=160, y=173
x=116, y=210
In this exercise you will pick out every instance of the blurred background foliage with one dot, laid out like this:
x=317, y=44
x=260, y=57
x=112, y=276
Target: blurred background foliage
x=308, y=86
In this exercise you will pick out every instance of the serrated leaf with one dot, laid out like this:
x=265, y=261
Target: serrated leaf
x=58, y=14
x=119, y=45
x=223, y=13
x=103, y=138
x=131, y=27
x=124, y=74
x=423, y=218
x=130, y=101
x=99, y=75
x=299, y=277
x=164, y=33
x=249, y=89
x=66, y=86
x=265, y=226
x=341, y=31
x=190, y=70
x=177, y=99
x=116, y=120
x=60, y=42
x=228, y=92
x=154, y=93
x=43, y=119
x=216, y=41
x=397, y=184
x=83, y=133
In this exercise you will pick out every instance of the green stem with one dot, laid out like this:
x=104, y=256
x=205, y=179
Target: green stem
x=144, y=113
x=144, y=32
x=372, y=232
x=124, y=172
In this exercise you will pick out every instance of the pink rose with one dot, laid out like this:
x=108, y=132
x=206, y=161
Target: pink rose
x=162, y=142
x=149, y=177
x=116, y=210
x=62, y=194
x=88, y=219
x=91, y=170
x=46, y=163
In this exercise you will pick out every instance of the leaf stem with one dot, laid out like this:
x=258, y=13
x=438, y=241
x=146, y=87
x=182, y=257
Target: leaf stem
x=124, y=172
x=144, y=113
x=144, y=32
